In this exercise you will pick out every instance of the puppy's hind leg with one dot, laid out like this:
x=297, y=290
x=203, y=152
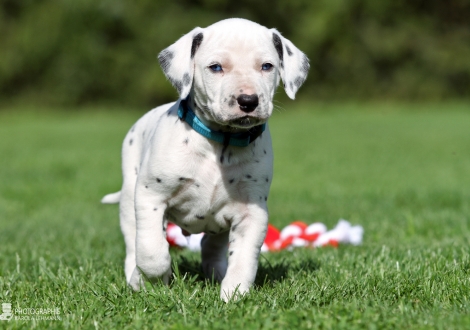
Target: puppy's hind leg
x=214, y=255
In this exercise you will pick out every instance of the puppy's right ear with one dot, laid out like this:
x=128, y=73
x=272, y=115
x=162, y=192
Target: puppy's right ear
x=177, y=61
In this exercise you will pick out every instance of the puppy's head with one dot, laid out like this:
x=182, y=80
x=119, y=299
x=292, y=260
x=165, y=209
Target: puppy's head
x=232, y=69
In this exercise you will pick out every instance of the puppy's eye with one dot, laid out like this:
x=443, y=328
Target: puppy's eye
x=266, y=66
x=215, y=67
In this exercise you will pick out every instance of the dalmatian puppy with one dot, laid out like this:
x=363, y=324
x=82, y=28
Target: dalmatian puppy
x=205, y=162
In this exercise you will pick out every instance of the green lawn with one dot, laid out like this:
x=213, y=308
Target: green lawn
x=400, y=171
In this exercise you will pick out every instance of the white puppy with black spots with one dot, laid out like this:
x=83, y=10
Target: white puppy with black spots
x=205, y=162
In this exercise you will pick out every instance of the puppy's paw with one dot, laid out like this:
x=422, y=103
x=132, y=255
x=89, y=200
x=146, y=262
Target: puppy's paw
x=138, y=278
x=233, y=292
x=136, y=281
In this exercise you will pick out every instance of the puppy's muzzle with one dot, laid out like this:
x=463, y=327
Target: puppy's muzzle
x=248, y=103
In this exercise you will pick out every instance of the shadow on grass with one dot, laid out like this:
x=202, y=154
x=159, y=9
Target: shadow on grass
x=269, y=271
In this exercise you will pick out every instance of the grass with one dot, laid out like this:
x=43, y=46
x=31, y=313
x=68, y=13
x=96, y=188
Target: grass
x=401, y=171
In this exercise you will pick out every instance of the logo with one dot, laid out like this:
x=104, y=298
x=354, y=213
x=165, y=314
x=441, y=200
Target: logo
x=29, y=314
x=6, y=312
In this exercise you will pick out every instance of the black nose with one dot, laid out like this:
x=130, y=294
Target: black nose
x=248, y=103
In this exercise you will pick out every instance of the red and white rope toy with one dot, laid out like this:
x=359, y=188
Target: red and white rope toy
x=297, y=234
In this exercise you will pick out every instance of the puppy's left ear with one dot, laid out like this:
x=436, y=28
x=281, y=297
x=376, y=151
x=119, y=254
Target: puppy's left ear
x=177, y=61
x=293, y=63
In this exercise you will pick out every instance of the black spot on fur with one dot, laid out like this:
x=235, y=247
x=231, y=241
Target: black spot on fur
x=231, y=180
x=233, y=240
x=196, y=43
x=230, y=253
x=155, y=209
x=305, y=66
x=291, y=85
x=234, y=227
x=232, y=102
x=299, y=81
x=267, y=179
x=222, y=157
x=197, y=185
x=159, y=180
x=183, y=179
x=130, y=142
x=278, y=45
x=248, y=176
x=186, y=79
x=146, y=187
x=133, y=128
x=265, y=198
x=165, y=58
x=265, y=152
x=136, y=171
x=241, y=90
x=200, y=217
x=186, y=141
x=177, y=84
x=289, y=52
x=143, y=134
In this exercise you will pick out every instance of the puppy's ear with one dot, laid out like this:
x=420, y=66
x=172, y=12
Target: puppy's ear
x=177, y=61
x=294, y=64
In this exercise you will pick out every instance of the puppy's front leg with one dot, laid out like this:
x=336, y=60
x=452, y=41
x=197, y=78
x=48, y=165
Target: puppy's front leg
x=152, y=254
x=245, y=241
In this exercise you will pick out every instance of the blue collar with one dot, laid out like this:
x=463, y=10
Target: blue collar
x=242, y=139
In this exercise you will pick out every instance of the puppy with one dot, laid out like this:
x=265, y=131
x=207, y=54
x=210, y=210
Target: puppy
x=205, y=162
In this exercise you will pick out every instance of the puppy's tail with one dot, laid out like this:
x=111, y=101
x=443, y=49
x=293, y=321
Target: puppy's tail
x=111, y=198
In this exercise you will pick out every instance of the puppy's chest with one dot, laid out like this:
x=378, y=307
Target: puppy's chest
x=203, y=204
x=212, y=198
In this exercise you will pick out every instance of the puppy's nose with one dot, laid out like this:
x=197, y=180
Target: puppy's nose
x=248, y=103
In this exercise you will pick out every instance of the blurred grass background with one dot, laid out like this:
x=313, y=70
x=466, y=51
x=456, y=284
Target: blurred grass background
x=75, y=52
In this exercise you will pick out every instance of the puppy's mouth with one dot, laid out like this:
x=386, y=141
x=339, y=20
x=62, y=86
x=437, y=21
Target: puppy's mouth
x=244, y=122
x=231, y=123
